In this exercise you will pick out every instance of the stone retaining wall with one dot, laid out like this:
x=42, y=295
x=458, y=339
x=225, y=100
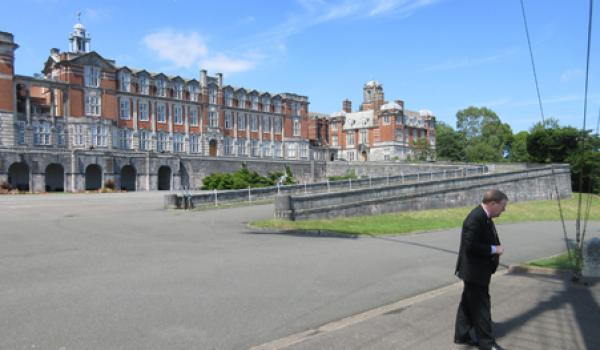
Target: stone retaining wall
x=521, y=185
x=185, y=201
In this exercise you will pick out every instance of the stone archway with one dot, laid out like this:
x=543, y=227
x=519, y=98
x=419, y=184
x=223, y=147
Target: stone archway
x=164, y=178
x=18, y=176
x=212, y=148
x=55, y=178
x=128, y=178
x=93, y=177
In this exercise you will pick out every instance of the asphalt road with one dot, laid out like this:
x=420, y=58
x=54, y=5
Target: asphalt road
x=116, y=271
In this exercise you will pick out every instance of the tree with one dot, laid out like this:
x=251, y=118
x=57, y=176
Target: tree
x=567, y=144
x=499, y=136
x=479, y=151
x=422, y=149
x=484, y=132
x=549, y=123
x=518, y=148
x=450, y=144
x=471, y=120
x=552, y=145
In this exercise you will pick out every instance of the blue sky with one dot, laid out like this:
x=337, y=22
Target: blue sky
x=442, y=55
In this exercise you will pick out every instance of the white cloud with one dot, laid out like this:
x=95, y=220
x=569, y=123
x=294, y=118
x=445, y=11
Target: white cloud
x=222, y=63
x=571, y=74
x=405, y=7
x=465, y=62
x=182, y=50
x=319, y=11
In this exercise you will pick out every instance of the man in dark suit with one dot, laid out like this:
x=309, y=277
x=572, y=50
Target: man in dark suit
x=478, y=259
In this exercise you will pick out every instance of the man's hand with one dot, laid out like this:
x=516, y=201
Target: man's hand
x=499, y=249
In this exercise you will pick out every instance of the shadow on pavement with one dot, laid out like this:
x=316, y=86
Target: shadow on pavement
x=577, y=296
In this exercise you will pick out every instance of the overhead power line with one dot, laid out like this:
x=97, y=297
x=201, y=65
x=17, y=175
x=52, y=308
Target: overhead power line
x=587, y=68
x=537, y=87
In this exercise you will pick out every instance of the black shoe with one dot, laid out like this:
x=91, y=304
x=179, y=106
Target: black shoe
x=494, y=347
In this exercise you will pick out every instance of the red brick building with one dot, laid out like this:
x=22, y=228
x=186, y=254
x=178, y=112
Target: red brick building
x=84, y=100
x=380, y=129
x=86, y=122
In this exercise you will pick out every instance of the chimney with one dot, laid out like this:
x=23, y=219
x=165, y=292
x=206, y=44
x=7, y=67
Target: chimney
x=401, y=103
x=203, y=81
x=220, y=80
x=347, y=106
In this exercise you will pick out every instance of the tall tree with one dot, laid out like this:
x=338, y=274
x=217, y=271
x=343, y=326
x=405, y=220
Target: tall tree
x=450, y=144
x=471, y=120
x=552, y=144
x=518, y=148
x=563, y=145
x=549, y=123
x=484, y=132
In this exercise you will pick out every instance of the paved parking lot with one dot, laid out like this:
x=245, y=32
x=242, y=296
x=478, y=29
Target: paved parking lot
x=116, y=271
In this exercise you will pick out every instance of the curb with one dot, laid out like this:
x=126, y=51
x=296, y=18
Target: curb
x=532, y=270
x=363, y=316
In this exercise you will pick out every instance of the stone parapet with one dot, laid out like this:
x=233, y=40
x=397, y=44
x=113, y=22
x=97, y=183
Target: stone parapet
x=536, y=184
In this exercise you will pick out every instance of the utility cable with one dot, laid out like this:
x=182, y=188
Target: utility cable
x=537, y=87
x=583, y=167
x=560, y=210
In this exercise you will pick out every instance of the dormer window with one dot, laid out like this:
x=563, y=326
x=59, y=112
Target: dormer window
x=161, y=88
x=144, y=85
x=193, y=90
x=241, y=100
x=254, y=102
x=91, y=76
x=277, y=105
x=179, y=90
x=124, y=81
x=266, y=102
x=228, y=98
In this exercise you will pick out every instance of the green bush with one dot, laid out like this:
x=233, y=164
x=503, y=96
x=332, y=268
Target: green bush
x=244, y=178
x=349, y=175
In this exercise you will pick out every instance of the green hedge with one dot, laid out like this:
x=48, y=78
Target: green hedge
x=244, y=178
x=349, y=175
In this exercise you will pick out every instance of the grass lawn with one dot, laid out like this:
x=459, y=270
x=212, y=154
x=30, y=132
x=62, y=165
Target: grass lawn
x=435, y=219
x=560, y=262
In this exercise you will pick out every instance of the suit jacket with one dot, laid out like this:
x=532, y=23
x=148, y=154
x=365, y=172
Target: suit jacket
x=475, y=262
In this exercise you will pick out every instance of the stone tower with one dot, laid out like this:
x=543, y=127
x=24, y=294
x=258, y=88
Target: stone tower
x=372, y=95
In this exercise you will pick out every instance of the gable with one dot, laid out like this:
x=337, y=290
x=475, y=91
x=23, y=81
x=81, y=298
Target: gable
x=93, y=59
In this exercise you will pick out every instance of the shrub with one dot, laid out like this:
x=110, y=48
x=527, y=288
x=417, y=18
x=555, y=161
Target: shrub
x=350, y=174
x=243, y=178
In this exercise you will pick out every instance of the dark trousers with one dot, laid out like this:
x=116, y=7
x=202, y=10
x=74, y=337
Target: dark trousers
x=474, y=312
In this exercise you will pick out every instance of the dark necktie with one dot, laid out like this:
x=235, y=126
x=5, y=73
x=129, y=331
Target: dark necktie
x=496, y=238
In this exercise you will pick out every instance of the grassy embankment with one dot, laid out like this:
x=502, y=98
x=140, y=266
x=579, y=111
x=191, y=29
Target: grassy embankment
x=435, y=219
x=559, y=262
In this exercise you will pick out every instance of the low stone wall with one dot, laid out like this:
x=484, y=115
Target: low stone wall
x=518, y=185
x=507, y=167
x=385, y=168
x=182, y=201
